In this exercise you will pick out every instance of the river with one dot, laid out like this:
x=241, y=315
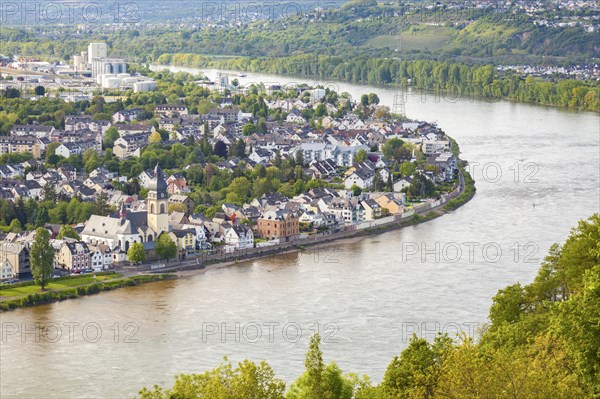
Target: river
x=537, y=174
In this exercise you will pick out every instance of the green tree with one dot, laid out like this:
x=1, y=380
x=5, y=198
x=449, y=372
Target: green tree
x=41, y=257
x=136, y=253
x=39, y=90
x=356, y=191
x=247, y=381
x=166, y=248
x=155, y=137
x=390, y=148
x=249, y=129
x=15, y=226
x=67, y=231
x=110, y=136
x=361, y=156
x=299, y=158
x=407, y=168
x=320, y=380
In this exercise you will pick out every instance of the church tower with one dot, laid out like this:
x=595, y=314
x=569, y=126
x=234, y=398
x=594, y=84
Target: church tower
x=158, y=203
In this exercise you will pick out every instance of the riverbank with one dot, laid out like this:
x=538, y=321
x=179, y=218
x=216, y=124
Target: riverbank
x=526, y=93
x=73, y=289
x=203, y=263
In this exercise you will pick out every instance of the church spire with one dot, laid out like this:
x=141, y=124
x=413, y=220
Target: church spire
x=123, y=213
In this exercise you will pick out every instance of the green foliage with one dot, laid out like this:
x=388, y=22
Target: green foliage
x=166, y=248
x=110, y=136
x=247, y=381
x=136, y=253
x=360, y=156
x=67, y=231
x=42, y=257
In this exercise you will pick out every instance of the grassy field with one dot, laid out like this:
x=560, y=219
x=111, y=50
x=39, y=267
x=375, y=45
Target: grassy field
x=63, y=283
x=416, y=38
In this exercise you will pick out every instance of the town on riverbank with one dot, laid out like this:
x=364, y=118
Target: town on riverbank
x=189, y=175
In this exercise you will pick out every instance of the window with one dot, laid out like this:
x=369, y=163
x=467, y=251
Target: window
x=162, y=208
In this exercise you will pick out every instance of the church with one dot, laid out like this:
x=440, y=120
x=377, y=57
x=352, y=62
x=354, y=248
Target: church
x=121, y=230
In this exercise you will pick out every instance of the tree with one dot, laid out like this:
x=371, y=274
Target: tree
x=361, y=156
x=166, y=247
x=320, y=381
x=247, y=381
x=136, y=253
x=155, y=137
x=299, y=158
x=356, y=191
x=364, y=99
x=41, y=257
x=39, y=90
x=11, y=92
x=49, y=192
x=110, y=136
x=67, y=231
x=177, y=207
x=373, y=99
x=382, y=112
x=221, y=149
x=249, y=129
x=15, y=226
x=407, y=168
x=390, y=148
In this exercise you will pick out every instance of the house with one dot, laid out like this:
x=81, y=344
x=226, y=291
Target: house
x=68, y=149
x=130, y=145
x=170, y=111
x=270, y=199
x=372, y=209
x=314, y=218
x=278, y=224
x=295, y=116
x=177, y=184
x=324, y=168
x=402, y=184
x=186, y=201
x=127, y=115
x=74, y=256
x=432, y=146
x=227, y=115
x=239, y=236
x=261, y=155
x=101, y=257
x=126, y=130
x=18, y=144
x=445, y=163
x=14, y=260
x=347, y=210
x=38, y=131
x=185, y=240
x=362, y=178
x=394, y=205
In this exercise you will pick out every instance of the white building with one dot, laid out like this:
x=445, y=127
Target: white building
x=97, y=50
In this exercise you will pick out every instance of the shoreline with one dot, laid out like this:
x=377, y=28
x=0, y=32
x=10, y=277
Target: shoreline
x=354, y=236
x=182, y=271
x=511, y=100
